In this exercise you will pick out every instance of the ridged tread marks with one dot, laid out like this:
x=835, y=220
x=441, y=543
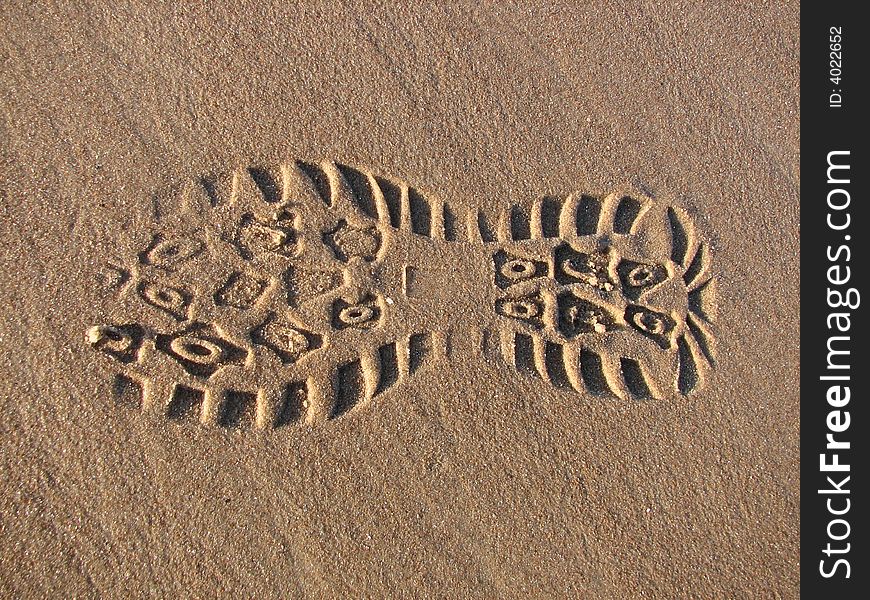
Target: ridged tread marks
x=395, y=204
x=310, y=400
x=578, y=368
x=567, y=217
x=392, y=203
x=610, y=217
x=695, y=345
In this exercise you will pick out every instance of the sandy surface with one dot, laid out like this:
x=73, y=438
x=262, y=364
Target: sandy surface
x=225, y=371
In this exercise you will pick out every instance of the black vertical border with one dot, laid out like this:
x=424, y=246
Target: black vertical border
x=825, y=129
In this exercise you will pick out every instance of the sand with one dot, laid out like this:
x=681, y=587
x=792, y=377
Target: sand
x=378, y=301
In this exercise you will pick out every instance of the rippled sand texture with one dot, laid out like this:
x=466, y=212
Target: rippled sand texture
x=356, y=300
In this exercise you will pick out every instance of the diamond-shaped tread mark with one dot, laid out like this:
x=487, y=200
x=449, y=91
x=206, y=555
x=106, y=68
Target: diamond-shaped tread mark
x=637, y=277
x=528, y=309
x=170, y=252
x=510, y=269
x=200, y=349
x=288, y=341
x=241, y=290
x=347, y=241
x=654, y=325
x=171, y=300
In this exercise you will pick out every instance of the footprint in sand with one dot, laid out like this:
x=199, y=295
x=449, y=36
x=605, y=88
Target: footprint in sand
x=300, y=293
